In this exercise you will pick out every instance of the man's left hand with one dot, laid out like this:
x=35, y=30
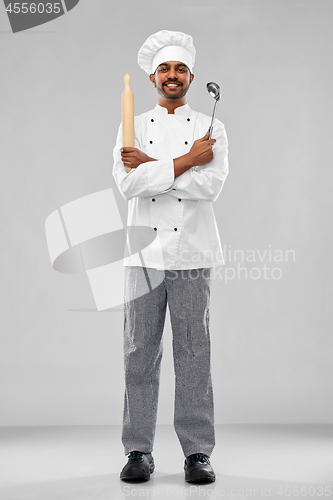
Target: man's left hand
x=133, y=157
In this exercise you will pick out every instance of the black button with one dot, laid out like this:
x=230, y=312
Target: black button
x=186, y=142
x=151, y=142
x=153, y=199
x=188, y=119
x=155, y=228
x=179, y=199
x=152, y=120
x=175, y=229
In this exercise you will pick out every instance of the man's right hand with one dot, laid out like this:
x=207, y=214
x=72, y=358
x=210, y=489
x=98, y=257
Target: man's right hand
x=201, y=151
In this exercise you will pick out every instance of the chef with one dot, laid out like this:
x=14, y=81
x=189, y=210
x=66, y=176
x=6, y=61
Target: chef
x=177, y=172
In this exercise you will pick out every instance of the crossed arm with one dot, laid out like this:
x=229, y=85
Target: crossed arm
x=200, y=154
x=174, y=176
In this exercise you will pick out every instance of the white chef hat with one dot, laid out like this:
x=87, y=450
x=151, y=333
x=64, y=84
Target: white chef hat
x=166, y=46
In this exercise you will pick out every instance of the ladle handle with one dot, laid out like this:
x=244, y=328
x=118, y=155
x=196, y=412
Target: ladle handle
x=210, y=130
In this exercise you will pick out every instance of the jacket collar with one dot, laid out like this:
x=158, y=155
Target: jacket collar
x=181, y=110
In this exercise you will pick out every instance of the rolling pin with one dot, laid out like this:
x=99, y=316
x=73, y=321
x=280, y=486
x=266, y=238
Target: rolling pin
x=127, y=100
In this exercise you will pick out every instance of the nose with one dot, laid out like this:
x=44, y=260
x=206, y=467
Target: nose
x=172, y=73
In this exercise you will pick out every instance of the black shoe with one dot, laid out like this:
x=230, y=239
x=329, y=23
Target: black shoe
x=197, y=468
x=139, y=467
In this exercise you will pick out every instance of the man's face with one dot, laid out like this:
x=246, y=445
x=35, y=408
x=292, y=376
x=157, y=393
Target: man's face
x=172, y=79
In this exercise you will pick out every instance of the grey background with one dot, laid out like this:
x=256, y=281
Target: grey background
x=61, y=363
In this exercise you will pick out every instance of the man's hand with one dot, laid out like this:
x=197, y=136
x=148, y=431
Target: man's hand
x=201, y=151
x=133, y=157
x=200, y=154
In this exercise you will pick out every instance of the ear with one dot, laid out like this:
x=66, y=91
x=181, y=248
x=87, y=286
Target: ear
x=191, y=77
x=152, y=79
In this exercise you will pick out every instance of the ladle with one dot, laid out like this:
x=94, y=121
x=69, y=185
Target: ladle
x=215, y=91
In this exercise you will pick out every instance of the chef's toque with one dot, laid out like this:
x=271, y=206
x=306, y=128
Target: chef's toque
x=166, y=46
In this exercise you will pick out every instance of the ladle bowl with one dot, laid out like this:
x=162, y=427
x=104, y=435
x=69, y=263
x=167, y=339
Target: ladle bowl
x=214, y=90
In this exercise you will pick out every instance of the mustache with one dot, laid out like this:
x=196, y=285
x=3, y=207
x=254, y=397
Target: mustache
x=172, y=81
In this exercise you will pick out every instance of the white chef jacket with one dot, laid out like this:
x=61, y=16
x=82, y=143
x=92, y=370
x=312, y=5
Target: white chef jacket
x=179, y=209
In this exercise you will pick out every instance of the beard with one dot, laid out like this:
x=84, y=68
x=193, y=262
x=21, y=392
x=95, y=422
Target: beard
x=182, y=91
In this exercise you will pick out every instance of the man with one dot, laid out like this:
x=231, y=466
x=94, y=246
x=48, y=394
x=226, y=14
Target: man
x=177, y=171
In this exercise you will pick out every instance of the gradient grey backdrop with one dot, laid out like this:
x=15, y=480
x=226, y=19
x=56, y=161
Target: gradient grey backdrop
x=60, y=111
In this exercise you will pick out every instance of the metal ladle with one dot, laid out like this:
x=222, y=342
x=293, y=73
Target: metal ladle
x=215, y=91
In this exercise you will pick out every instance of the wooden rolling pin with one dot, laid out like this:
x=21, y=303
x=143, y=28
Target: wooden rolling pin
x=127, y=99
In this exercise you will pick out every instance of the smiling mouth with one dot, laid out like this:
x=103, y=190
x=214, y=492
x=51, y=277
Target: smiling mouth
x=172, y=85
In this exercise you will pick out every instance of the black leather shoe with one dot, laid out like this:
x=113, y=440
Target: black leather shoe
x=139, y=467
x=197, y=468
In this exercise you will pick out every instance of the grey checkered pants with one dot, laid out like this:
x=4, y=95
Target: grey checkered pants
x=187, y=292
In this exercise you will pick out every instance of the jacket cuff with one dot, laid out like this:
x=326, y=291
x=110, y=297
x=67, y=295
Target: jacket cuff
x=160, y=175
